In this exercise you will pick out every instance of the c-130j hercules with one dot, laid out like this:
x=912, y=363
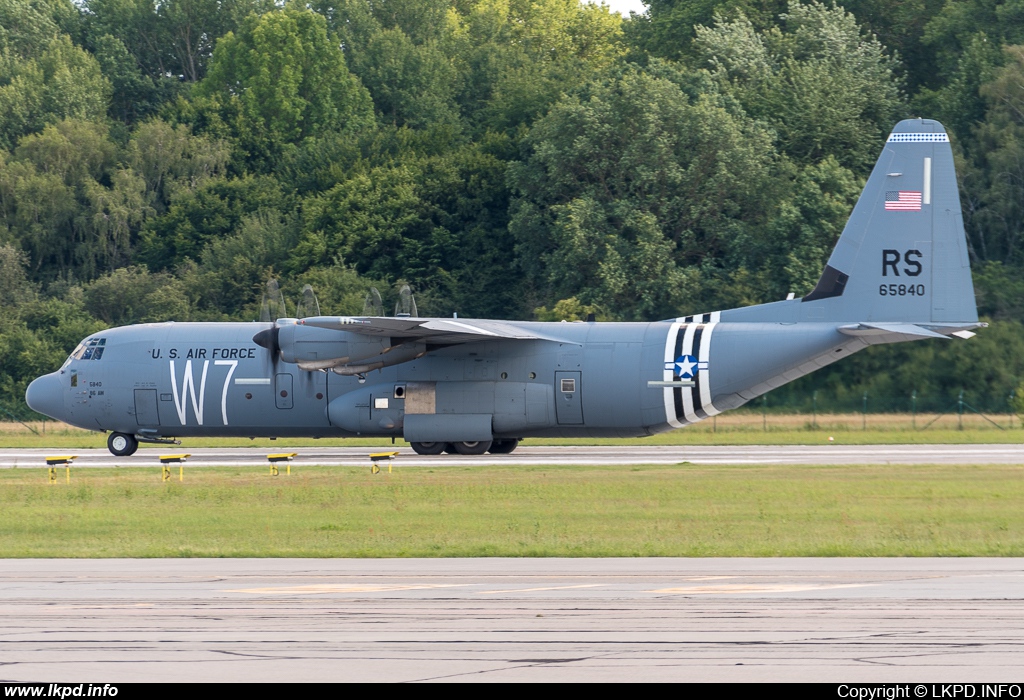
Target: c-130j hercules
x=898, y=272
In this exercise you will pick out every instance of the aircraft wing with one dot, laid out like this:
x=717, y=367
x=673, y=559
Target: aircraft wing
x=434, y=331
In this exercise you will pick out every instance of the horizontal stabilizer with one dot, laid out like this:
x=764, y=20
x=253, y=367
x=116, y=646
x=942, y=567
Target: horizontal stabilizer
x=862, y=329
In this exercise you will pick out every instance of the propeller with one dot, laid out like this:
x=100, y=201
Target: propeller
x=373, y=306
x=308, y=305
x=271, y=310
x=273, y=306
x=406, y=305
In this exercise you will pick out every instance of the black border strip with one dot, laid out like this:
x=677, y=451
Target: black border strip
x=677, y=392
x=698, y=405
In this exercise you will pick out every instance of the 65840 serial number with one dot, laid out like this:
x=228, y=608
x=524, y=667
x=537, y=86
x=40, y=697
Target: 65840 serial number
x=901, y=290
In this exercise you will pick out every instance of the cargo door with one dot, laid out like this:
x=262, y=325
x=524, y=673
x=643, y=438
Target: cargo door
x=568, y=399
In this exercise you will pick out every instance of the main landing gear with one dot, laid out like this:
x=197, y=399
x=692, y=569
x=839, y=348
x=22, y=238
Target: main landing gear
x=496, y=447
x=503, y=447
x=122, y=445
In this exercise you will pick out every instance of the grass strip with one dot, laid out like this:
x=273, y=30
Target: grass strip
x=683, y=510
x=678, y=437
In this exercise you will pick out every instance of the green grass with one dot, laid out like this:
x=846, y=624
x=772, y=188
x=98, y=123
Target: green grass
x=683, y=510
x=734, y=428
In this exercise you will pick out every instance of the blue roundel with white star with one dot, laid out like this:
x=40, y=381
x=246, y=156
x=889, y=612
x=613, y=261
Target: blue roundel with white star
x=687, y=366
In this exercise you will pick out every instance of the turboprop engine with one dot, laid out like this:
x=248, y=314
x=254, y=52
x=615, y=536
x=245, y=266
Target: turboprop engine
x=342, y=352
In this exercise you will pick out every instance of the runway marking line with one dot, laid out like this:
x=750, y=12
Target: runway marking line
x=733, y=588
x=327, y=588
x=545, y=588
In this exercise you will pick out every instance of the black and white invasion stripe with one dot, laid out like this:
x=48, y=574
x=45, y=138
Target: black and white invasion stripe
x=689, y=335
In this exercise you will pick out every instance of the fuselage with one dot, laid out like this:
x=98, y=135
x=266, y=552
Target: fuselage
x=584, y=380
x=899, y=272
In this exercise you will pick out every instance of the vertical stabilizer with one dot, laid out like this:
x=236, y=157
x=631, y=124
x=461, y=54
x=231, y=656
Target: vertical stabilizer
x=902, y=257
x=903, y=254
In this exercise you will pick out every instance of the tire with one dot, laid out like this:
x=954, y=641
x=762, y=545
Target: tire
x=503, y=447
x=428, y=448
x=472, y=448
x=122, y=445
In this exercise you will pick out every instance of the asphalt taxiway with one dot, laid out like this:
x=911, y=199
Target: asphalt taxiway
x=281, y=620
x=551, y=455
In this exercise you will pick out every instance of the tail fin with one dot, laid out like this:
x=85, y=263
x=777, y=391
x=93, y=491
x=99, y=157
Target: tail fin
x=903, y=255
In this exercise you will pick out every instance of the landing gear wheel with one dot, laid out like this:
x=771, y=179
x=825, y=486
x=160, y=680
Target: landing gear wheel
x=121, y=445
x=503, y=447
x=472, y=448
x=428, y=448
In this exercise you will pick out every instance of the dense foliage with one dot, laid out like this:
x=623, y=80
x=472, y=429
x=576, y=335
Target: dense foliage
x=508, y=158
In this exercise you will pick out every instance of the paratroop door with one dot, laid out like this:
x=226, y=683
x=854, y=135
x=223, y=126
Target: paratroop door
x=568, y=399
x=146, y=412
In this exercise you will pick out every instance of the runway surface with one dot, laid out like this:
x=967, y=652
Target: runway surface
x=835, y=620
x=603, y=455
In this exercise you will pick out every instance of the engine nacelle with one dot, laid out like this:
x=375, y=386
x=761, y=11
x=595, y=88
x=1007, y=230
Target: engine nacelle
x=320, y=348
x=395, y=355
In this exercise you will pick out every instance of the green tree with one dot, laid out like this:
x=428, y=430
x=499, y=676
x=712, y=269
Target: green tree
x=62, y=82
x=823, y=85
x=518, y=57
x=900, y=27
x=198, y=216
x=69, y=202
x=280, y=80
x=233, y=268
x=667, y=30
x=15, y=288
x=135, y=295
x=171, y=160
x=411, y=84
x=26, y=26
x=135, y=95
x=629, y=192
x=996, y=220
x=958, y=102
x=951, y=31
x=169, y=37
x=438, y=220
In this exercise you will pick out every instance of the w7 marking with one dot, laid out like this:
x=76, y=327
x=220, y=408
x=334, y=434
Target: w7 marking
x=188, y=390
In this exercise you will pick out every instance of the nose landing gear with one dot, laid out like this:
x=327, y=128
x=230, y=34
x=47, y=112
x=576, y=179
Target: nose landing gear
x=122, y=445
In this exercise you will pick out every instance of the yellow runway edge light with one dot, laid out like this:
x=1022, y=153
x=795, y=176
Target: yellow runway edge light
x=171, y=459
x=54, y=462
x=380, y=457
x=281, y=457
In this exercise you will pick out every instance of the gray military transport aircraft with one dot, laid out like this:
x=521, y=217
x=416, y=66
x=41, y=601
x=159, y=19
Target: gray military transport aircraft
x=899, y=272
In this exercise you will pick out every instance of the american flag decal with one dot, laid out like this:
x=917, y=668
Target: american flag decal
x=903, y=201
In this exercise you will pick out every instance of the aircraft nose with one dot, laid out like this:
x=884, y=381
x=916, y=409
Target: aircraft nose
x=45, y=395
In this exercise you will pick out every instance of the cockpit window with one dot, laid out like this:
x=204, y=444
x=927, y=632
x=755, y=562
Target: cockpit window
x=91, y=349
